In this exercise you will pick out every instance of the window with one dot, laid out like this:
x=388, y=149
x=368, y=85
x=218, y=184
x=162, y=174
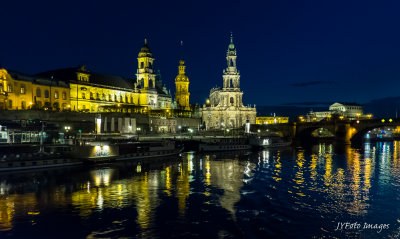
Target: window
x=104, y=97
x=64, y=95
x=83, y=96
x=126, y=99
x=141, y=65
x=64, y=106
x=1, y=87
x=46, y=94
x=97, y=96
x=120, y=98
x=38, y=92
x=115, y=98
x=56, y=95
x=9, y=86
x=91, y=95
x=231, y=101
x=109, y=97
x=23, y=90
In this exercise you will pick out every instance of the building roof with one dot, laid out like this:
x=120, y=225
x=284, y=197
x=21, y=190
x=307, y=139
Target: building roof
x=347, y=103
x=69, y=75
x=36, y=79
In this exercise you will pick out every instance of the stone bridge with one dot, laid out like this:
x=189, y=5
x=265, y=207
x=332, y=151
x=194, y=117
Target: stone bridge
x=345, y=130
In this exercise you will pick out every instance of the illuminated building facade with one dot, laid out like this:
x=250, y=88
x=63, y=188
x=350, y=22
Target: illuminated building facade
x=182, y=88
x=350, y=111
x=94, y=92
x=225, y=108
x=21, y=92
x=272, y=120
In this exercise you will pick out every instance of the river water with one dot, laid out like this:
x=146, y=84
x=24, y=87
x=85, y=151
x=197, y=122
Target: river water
x=281, y=193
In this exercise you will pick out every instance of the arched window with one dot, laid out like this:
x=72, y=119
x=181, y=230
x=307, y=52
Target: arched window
x=142, y=65
x=64, y=95
x=232, y=101
x=46, y=94
x=38, y=92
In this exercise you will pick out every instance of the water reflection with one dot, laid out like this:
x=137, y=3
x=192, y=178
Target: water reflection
x=279, y=188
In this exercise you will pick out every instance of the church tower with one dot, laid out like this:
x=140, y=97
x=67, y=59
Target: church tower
x=231, y=75
x=146, y=77
x=182, y=87
x=231, y=94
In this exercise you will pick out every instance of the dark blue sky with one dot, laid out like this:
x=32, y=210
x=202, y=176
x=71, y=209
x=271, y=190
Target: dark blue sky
x=288, y=51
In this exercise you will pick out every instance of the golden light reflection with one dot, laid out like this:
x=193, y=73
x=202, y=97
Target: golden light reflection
x=208, y=171
x=182, y=185
x=227, y=174
x=313, y=165
x=22, y=204
x=299, y=178
x=168, y=180
x=328, y=169
x=277, y=169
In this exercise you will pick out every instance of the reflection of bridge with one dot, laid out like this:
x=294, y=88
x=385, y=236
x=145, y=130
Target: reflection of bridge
x=346, y=130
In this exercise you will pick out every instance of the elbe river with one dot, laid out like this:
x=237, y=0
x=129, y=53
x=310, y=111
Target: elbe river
x=324, y=190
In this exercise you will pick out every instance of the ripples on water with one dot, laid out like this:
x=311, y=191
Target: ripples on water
x=298, y=193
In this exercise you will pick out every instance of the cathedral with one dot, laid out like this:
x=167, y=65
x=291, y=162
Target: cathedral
x=224, y=108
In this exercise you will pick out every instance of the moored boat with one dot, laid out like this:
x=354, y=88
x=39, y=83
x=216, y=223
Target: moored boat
x=103, y=151
x=225, y=144
x=268, y=141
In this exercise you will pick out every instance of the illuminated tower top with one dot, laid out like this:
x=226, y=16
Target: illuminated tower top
x=231, y=75
x=145, y=72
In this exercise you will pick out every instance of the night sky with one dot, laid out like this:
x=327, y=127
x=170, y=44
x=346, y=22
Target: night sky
x=288, y=51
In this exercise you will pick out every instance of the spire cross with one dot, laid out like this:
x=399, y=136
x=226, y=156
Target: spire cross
x=231, y=37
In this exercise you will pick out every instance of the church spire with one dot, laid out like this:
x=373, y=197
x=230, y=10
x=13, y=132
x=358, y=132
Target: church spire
x=231, y=75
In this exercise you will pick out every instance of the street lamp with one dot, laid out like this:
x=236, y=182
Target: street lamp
x=138, y=131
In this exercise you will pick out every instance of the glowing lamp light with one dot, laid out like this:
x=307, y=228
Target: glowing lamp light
x=390, y=120
x=383, y=120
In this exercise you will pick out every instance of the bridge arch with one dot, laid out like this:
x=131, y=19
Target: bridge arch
x=359, y=135
x=306, y=132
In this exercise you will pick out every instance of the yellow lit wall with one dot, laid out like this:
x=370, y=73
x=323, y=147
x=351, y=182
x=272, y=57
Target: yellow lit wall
x=32, y=94
x=272, y=120
x=93, y=98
